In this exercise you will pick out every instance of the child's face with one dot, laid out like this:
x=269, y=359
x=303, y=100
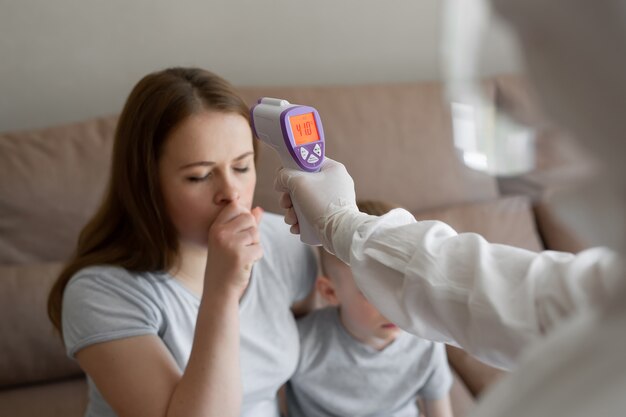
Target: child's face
x=358, y=315
x=207, y=161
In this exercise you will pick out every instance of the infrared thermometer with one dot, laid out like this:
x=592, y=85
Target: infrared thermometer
x=295, y=132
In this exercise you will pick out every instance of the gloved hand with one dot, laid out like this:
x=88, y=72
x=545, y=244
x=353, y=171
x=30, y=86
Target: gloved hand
x=324, y=198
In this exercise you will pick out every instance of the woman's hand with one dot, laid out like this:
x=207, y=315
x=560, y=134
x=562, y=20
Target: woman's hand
x=234, y=246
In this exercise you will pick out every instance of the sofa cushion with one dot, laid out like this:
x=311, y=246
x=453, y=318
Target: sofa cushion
x=556, y=234
x=394, y=139
x=51, y=181
x=391, y=137
x=30, y=349
x=476, y=375
x=65, y=398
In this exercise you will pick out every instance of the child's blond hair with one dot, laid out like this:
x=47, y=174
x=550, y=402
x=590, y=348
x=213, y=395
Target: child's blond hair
x=372, y=207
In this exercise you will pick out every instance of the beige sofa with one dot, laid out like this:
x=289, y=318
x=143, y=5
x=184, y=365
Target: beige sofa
x=394, y=139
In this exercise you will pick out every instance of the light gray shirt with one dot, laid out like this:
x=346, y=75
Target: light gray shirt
x=340, y=376
x=107, y=303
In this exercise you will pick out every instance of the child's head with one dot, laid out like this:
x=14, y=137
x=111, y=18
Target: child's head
x=338, y=287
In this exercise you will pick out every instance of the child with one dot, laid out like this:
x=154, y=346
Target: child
x=354, y=362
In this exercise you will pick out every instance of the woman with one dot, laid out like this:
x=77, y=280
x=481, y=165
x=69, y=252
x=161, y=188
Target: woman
x=177, y=301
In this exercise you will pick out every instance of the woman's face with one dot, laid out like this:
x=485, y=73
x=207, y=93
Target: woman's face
x=207, y=161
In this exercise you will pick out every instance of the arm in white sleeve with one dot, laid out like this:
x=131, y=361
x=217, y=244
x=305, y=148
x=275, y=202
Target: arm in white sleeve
x=490, y=299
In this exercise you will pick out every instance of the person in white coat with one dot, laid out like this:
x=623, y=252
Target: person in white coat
x=556, y=320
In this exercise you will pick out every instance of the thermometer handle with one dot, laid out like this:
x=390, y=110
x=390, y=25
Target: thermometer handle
x=307, y=232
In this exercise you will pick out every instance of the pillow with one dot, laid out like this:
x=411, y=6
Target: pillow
x=30, y=349
x=51, y=181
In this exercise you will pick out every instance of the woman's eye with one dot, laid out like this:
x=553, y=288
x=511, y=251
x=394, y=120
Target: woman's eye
x=242, y=169
x=199, y=179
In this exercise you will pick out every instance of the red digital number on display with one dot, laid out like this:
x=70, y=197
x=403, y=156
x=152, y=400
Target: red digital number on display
x=304, y=128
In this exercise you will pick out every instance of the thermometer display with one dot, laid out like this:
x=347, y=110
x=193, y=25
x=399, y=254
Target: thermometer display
x=304, y=129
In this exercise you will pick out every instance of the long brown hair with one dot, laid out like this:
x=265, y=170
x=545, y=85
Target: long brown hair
x=131, y=229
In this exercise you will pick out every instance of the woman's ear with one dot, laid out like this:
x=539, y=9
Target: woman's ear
x=326, y=289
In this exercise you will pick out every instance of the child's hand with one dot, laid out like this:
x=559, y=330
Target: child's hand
x=234, y=246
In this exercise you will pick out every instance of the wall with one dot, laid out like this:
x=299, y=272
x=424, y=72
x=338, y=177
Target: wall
x=65, y=60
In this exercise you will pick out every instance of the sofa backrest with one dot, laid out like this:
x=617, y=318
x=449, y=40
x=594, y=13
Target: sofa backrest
x=394, y=139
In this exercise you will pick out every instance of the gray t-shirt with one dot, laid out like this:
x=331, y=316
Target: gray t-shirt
x=106, y=303
x=340, y=376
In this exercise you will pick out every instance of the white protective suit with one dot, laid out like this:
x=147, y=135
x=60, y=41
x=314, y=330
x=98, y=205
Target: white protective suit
x=491, y=299
x=557, y=320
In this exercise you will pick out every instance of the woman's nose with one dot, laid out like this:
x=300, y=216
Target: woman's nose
x=227, y=192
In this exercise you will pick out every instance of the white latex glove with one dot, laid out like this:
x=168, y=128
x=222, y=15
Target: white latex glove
x=326, y=198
